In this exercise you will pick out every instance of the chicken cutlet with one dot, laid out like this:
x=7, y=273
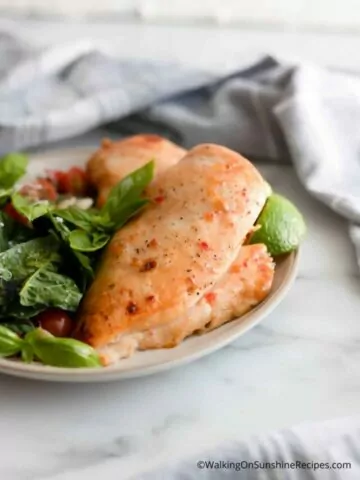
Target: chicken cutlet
x=162, y=264
x=244, y=285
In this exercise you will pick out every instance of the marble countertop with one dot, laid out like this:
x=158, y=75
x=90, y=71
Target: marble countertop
x=300, y=365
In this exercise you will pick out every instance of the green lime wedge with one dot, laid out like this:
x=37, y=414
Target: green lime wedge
x=282, y=227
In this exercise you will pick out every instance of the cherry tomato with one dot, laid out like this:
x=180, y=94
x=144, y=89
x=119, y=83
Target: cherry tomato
x=56, y=321
x=14, y=214
x=55, y=176
x=73, y=181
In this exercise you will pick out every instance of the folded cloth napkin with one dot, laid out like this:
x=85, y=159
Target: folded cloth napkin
x=267, y=110
x=328, y=450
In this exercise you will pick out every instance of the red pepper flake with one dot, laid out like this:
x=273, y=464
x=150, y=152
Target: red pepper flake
x=210, y=297
x=150, y=298
x=148, y=265
x=159, y=199
x=153, y=243
x=245, y=263
x=243, y=192
x=131, y=308
x=204, y=246
x=209, y=216
x=235, y=268
x=135, y=262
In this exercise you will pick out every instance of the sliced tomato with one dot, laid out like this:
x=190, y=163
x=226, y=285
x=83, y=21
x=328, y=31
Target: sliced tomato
x=74, y=181
x=10, y=210
x=47, y=189
x=54, y=176
x=41, y=189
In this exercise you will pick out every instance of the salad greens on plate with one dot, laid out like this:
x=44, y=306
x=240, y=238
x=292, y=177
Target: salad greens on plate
x=48, y=255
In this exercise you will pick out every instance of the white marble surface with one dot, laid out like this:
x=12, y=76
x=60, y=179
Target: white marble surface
x=300, y=365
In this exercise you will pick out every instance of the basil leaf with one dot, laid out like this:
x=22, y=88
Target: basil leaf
x=124, y=199
x=27, y=353
x=130, y=211
x=87, y=241
x=12, y=168
x=85, y=219
x=27, y=208
x=62, y=352
x=48, y=288
x=10, y=342
x=81, y=265
x=84, y=262
x=64, y=232
x=61, y=229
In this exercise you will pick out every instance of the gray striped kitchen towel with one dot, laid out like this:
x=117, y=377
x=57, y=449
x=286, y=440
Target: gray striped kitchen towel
x=324, y=451
x=266, y=110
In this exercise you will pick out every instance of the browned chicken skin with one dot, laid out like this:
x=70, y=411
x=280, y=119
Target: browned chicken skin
x=246, y=284
x=174, y=269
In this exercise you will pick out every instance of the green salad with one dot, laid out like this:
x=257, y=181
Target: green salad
x=49, y=249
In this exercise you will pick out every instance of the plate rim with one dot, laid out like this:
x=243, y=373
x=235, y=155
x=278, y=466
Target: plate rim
x=112, y=373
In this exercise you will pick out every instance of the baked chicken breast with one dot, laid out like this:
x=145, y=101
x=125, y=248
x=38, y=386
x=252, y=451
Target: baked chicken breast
x=114, y=160
x=174, y=268
x=242, y=287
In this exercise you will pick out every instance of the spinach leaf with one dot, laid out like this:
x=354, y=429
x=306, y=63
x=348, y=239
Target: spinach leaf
x=20, y=261
x=12, y=232
x=83, y=241
x=48, y=288
x=125, y=199
x=24, y=259
x=12, y=168
x=27, y=208
x=5, y=274
x=5, y=194
x=19, y=327
x=16, y=312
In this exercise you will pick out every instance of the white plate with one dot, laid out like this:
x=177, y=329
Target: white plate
x=152, y=361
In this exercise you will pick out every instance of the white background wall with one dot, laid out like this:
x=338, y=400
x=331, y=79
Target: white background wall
x=292, y=14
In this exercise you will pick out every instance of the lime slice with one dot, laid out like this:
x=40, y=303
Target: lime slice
x=282, y=227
